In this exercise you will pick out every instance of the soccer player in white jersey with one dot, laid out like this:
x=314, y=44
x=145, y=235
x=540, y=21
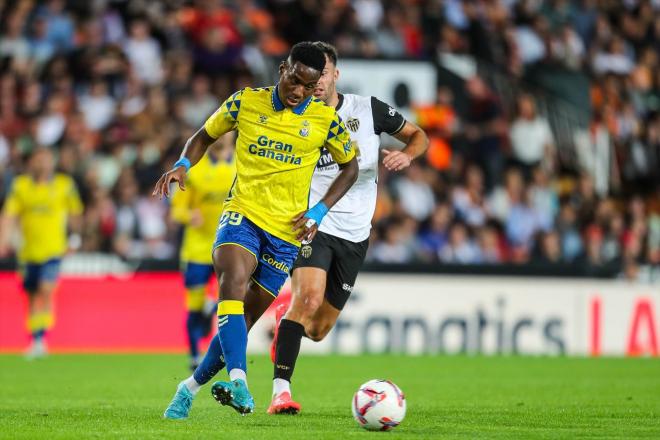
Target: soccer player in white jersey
x=326, y=268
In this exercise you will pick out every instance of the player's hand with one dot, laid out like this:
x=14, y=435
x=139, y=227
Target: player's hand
x=306, y=226
x=396, y=160
x=162, y=187
x=196, y=218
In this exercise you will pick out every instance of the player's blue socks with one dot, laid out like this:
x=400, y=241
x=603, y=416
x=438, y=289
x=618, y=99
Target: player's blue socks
x=195, y=297
x=195, y=332
x=213, y=361
x=232, y=333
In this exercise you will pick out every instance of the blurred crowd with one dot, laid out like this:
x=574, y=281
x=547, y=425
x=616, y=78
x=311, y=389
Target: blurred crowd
x=116, y=87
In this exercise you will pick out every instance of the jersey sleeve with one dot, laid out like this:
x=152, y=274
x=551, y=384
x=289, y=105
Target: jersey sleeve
x=338, y=141
x=386, y=118
x=13, y=206
x=74, y=205
x=225, y=118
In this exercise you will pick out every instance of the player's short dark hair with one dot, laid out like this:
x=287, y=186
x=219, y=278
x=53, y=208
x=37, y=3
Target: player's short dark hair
x=327, y=49
x=308, y=54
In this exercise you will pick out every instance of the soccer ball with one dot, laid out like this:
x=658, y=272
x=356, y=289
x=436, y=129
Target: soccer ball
x=379, y=405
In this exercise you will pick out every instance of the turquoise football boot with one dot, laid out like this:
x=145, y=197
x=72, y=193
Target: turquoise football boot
x=181, y=403
x=234, y=394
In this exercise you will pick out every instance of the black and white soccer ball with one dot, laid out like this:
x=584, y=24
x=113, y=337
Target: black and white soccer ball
x=379, y=405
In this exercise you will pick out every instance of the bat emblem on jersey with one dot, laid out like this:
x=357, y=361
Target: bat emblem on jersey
x=263, y=119
x=304, y=131
x=306, y=251
x=353, y=124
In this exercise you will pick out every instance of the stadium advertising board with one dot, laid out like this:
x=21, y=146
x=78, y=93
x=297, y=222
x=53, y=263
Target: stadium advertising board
x=495, y=315
x=397, y=313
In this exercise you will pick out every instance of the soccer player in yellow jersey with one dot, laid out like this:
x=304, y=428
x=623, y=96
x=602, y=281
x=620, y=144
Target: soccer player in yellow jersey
x=41, y=202
x=198, y=209
x=281, y=131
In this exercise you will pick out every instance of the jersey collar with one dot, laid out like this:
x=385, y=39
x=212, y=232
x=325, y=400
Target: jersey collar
x=341, y=101
x=279, y=106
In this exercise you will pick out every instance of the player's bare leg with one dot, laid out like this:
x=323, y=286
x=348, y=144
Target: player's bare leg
x=322, y=322
x=307, y=293
x=307, y=296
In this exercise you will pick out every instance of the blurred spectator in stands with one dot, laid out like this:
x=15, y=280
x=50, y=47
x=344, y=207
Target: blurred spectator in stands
x=152, y=225
x=567, y=48
x=414, y=194
x=532, y=143
x=49, y=128
x=389, y=38
x=59, y=25
x=632, y=254
x=504, y=197
x=594, y=153
x=567, y=226
x=99, y=223
x=134, y=101
x=614, y=58
x=396, y=246
x=654, y=241
x=584, y=17
x=216, y=52
x=543, y=198
x=13, y=44
x=490, y=246
x=548, y=248
x=41, y=48
x=461, y=248
x=612, y=239
x=126, y=232
x=521, y=225
x=440, y=122
x=201, y=103
x=593, y=244
x=143, y=51
x=469, y=199
x=434, y=235
x=585, y=199
x=529, y=39
x=368, y=13
x=97, y=106
x=484, y=129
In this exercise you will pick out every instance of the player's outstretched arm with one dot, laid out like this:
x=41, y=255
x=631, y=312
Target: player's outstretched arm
x=193, y=151
x=416, y=144
x=307, y=222
x=7, y=223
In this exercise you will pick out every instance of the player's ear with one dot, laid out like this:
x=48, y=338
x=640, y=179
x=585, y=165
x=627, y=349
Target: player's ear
x=282, y=67
x=336, y=74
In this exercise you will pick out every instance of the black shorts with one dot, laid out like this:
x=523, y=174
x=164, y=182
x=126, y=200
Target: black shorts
x=341, y=259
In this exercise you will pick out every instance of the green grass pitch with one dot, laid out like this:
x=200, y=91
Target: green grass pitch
x=123, y=397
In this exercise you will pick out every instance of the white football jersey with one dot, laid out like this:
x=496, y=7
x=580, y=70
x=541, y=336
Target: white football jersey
x=365, y=118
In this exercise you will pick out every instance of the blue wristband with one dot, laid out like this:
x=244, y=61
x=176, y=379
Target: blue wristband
x=317, y=212
x=183, y=162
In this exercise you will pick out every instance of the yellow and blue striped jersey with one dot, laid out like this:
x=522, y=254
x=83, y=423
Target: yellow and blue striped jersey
x=277, y=149
x=42, y=210
x=207, y=186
